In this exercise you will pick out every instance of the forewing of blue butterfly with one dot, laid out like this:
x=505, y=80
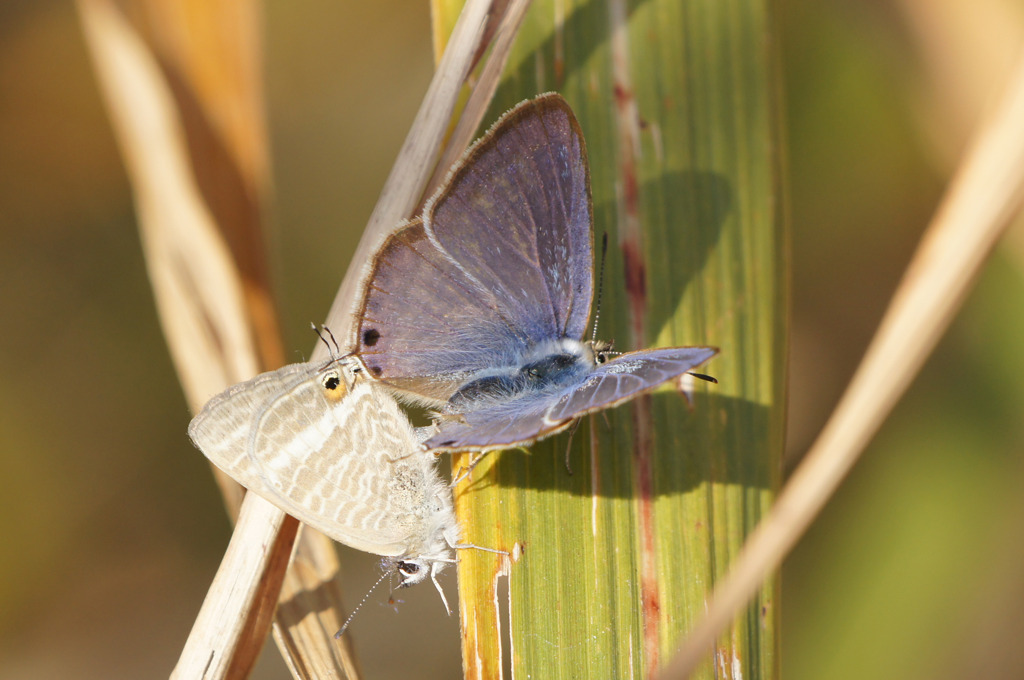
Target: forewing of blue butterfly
x=424, y=325
x=502, y=262
x=516, y=216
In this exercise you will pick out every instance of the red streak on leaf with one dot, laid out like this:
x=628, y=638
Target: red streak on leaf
x=630, y=241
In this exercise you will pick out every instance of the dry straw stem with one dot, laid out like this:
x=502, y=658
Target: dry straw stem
x=983, y=198
x=403, y=192
x=483, y=91
x=206, y=307
x=202, y=299
x=409, y=180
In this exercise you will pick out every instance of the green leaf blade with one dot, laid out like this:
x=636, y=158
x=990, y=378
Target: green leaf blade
x=677, y=102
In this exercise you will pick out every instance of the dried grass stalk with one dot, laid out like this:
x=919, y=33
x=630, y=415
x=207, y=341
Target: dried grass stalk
x=181, y=137
x=211, y=291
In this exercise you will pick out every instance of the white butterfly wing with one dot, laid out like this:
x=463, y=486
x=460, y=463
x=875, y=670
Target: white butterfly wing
x=221, y=430
x=344, y=462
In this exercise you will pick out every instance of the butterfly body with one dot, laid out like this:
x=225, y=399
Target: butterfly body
x=548, y=368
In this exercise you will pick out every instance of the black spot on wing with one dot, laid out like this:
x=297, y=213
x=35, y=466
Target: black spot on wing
x=370, y=337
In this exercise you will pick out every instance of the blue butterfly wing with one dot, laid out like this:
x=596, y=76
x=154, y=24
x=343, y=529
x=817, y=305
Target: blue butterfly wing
x=516, y=215
x=424, y=326
x=511, y=424
x=502, y=261
x=627, y=376
x=529, y=418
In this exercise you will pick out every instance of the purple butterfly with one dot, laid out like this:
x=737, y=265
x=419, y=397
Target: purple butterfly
x=479, y=308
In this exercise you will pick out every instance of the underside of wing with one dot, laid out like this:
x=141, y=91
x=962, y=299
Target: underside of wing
x=221, y=429
x=350, y=468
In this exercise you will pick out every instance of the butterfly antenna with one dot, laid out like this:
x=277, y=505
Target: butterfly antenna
x=344, y=626
x=337, y=348
x=320, y=335
x=332, y=346
x=600, y=284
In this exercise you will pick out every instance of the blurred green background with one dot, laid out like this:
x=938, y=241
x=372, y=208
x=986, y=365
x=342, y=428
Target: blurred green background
x=113, y=526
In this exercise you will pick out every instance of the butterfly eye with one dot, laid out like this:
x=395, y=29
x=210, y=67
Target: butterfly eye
x=408, y=568
x=330, y=380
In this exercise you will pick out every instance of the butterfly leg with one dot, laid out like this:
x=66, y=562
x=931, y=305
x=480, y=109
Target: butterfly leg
x=433, y=577
x=473, y=546
x=465, y=471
